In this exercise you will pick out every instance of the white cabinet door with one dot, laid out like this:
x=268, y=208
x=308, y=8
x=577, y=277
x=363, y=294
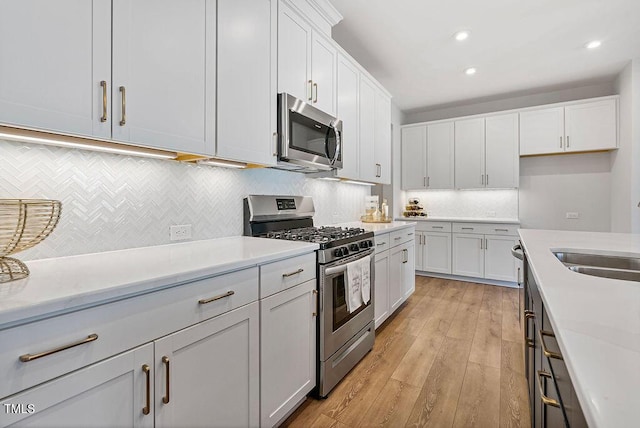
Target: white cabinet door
x=347, y=111
x=414, y=158
x=247, y=80
x=499, y=264
x=294, y=54
x=53, y=58
x=396, y=273
x=111, y=393
x=210, y=376
x=324, y=57
x=382, y=137
x=367, y=118
x=468, y=255
x=542, y=131
x=437, y=252
x=381, y=289
x=501, y=145
x=164, y=65
x=420, y=250
x=440, y=156
x=469, y=153
x=409, y=270
x=288, y=361
x=591, y=126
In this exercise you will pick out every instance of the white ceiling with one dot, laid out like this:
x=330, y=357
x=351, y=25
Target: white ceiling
x=516, y=45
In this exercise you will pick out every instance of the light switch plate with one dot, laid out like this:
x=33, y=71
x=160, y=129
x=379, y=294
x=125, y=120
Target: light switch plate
x=573, y=216
x=180, y=232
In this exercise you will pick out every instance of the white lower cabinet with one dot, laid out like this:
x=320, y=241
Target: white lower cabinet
x=111, y=393
x=396, y=261
x=287, y=350
x=408, y=270
x=207, y=375
x=433, y=252
x=499, y=264
x=381, y=301
x=468, y=255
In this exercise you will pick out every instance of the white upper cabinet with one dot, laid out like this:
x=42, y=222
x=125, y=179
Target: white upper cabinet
x=591, y=126
x=440, y=156
x=53, y=58
x=347, y=111
x=469, y=153
x=502, y=164
x=306, y=62
x=164, y=74
x=247, y=49
x=542, y=131
x=576, y=127
x=294, y=54
x=414, y=157
x=367, y=119
x=382, y=137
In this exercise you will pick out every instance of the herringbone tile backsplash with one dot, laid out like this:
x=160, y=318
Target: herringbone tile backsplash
x=112, y=202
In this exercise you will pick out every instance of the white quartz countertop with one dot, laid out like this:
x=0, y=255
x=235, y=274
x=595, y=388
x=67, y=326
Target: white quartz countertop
x=463, y=219
x=378, y=228
x=64, y=284
x=596, y=322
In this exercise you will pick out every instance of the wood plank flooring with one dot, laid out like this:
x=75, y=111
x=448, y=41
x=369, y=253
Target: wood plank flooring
x=451, y=356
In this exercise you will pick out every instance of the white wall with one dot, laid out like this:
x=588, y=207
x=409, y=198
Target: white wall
x=506, y=102
x=468, y=203
x=112, y=202
x=551, y=186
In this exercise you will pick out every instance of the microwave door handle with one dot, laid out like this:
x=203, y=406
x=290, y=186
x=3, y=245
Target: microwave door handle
x=332, y=160
x=338, y=145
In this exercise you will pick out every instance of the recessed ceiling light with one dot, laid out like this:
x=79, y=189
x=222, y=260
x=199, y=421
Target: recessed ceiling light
x=461, y=35
x=594, y=44
x=470, y=71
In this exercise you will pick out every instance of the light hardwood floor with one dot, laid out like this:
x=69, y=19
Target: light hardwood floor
x=451, y=356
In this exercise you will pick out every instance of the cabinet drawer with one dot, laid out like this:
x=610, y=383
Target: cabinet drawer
x=401, y=236
x=479, y=228
x=382, y=242
x=502, y=229
x=278, y=276
x=434, y=226
x=119, y=326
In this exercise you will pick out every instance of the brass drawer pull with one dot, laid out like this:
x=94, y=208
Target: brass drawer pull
x=382, y=243
x=315, y=100
x=437, y=227
x=147, y=371
x=315, y=293
x=467, y=228
x=30, y=357
x=545, y=351
x=546, y=400
x=213, y=299
x=310, y=90
x=287, y=275
x=167, y=397
x=529, y=314
x=501, y=230
x=530, y=343
x=103, y=83
x=123, y=91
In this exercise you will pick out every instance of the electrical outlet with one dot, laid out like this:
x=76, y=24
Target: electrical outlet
x=573, y=216
x=491, y=213
x=180, y=232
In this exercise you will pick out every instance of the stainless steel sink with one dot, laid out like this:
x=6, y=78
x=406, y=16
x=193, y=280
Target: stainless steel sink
x=614, y=267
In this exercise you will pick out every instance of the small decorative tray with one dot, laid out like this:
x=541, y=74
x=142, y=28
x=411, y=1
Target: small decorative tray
x=367, y=219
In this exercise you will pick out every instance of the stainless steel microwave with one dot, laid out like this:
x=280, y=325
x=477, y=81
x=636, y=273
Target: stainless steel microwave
x=309, y=140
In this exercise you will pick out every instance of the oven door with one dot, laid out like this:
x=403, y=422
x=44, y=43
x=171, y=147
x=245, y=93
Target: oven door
x=308, y=136
x=337, y=325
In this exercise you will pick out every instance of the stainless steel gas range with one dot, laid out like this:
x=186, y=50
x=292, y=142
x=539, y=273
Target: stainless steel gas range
x=344, y=336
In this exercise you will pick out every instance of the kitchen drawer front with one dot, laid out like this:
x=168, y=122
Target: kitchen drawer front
x=478, y=228
x=382, y=242
x=120, y=326
x=401, y=236
x=278, y=276
x=434, y=226
x=502, y=229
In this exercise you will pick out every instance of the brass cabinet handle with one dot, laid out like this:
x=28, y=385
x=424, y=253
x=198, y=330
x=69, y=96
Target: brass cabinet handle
x=545, y=351
x=214, y=298
x=147, y=371
x=315, y=293
x=123, y=120
x=30, y=357
x=530, y=343
x=381, y=243
x=437, y=227
x=286, y=275
x=567, y=141
x=310, y=90
x=167, y=397
x=103, y=83
x=529, y=314
x=315, y=100
x=467, y=228
x=501, y=230
x=545, y=400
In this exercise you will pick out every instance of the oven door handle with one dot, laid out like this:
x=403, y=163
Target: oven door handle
x=334, y=270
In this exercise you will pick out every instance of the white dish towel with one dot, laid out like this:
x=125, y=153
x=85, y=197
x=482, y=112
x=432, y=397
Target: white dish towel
x=365, y=266
x=353, y=286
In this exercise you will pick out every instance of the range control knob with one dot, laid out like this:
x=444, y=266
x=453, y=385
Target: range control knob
x=353, y=247
x=370, y=243
x=364, y=244
x=339, y=252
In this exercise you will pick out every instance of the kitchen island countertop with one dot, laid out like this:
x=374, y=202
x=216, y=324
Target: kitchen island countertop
x=596, y=322
x=66, y=284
